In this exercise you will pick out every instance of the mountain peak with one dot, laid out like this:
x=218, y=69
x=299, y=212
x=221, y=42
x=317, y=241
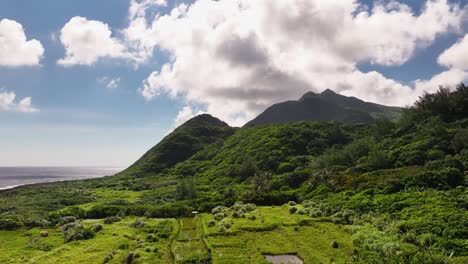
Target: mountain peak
x=326, y=106
x=204, y=120
x=328, y=92
x=308, y=95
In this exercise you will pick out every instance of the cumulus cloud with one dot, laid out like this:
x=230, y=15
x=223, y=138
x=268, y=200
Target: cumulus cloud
x=8, y=103
x=87, y=41
x=457, y=55
x=236, y=57
x=15, y=49
x=110, y=83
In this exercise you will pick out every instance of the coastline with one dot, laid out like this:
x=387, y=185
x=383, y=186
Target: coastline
x=37, y=184
x=56, y=180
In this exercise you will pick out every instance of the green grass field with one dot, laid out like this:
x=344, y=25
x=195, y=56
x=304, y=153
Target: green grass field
x=274, y=231
x=277, y=232
x=117, y=239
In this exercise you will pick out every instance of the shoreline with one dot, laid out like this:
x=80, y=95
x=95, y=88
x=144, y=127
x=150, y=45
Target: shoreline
x=14, y=187
x=63, y=180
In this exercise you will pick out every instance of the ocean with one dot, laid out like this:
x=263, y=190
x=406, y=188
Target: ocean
x=15, y=176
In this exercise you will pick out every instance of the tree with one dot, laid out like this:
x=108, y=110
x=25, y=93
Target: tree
x=248, y=168
x=382, y=127
x=261, y=181
x=186, y=190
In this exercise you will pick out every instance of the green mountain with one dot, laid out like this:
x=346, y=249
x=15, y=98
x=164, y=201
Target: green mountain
x=343, y=192
x=326, y=106
x=181, y=144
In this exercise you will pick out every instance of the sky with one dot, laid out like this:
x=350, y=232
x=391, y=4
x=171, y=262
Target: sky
x=97, y=83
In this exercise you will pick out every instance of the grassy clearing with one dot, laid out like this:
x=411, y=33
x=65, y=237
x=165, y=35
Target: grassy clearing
x=117, y=239
x=275, y=231
x=110, y=195
x=189, y=247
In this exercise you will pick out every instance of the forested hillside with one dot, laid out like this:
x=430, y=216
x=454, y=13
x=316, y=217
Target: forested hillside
x=396, y=188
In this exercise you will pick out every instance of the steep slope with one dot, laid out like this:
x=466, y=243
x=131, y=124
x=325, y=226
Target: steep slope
x=181, y=144
x=326, y=106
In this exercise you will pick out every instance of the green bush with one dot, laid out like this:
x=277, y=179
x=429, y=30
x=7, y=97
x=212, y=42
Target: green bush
x=112, y=219
x=292, y=209
x=9, y=224
x=76, y=231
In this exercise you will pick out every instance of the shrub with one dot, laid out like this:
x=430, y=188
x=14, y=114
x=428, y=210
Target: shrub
x=103, y=211
x=250, y=207
x=112, y=219
x=148, y=249
x=211, y=223
x=130, y=257
x=151, y=238
x=218, y=209
x=315, y=213
x=222, y=229
x=67, y=219
x=9, y=224
x=292, y=209
x=138, y=224
x=302, y=212
x=334, y=244
x=219, y=216
x=97, y=227
x=235, y=214
x=252, y=217
x=32, y=223
x=76, y=231
x=292, y=203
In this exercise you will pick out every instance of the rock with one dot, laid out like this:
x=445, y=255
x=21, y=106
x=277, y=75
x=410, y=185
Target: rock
x=44, y=233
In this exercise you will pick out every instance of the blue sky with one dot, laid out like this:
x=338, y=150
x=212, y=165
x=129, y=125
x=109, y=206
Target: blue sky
x=84, y=120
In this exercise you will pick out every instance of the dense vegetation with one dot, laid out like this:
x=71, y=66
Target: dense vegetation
x=390, y=192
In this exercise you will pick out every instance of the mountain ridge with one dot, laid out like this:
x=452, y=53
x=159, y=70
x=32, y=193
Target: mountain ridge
x=324, y=106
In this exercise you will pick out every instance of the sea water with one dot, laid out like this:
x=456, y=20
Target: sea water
x=15, y=176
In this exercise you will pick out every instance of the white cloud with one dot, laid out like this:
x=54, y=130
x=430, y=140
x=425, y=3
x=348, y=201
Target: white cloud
x=457, y=55
x=236, y=57
x=87, y=41
x=110, y=83
x=15, y=49
x=9, y=104
x=449, y=78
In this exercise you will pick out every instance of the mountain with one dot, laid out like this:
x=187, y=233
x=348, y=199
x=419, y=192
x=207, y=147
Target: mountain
x=326, y=106
x=181, y=144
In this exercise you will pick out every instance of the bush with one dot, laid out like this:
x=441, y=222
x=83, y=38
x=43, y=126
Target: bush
x=76, y=231
x=112, y=219
x=138, y=224
x=219, y=216
x=292, y=210
x=97, y=227
x=130, y=257
x=67, y=219
x=218, y=209
x=334, y=244
x=250, y=207
x=252, y=217
x=151, y=238
x=32, y=223
x=211, y=223
x=103, y=211
x=315, y=213
x=9, y=224
x=292, y=203
x=235, y=214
